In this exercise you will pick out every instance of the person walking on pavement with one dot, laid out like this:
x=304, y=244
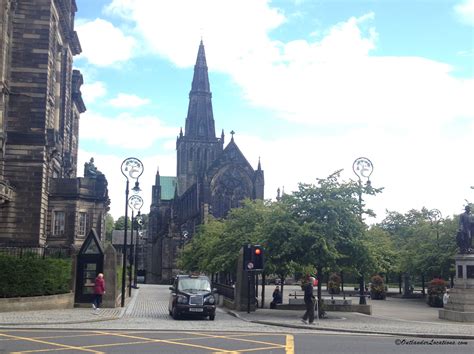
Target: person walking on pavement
x=308, y=300
x=99, y=290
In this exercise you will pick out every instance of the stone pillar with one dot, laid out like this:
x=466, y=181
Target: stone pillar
x=242, y=287
x=110, y=275
x=460, y=306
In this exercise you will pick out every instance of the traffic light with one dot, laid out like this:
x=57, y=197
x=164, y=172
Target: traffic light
x=253, y=257
x=257, y=257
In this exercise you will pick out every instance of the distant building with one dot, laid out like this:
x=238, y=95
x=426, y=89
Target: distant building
x=210, y=179
x=41, y=199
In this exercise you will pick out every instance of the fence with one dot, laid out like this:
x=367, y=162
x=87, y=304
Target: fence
x=225, y=290
x=36, y=252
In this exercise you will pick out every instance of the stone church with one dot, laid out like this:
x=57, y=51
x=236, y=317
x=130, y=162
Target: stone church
x=210, y=179
x=42, y=201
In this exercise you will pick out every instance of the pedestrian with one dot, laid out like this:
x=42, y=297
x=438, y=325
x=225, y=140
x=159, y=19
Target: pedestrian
x=99, y=290
x=446, y=297
x=309, y=300
x=276, y=298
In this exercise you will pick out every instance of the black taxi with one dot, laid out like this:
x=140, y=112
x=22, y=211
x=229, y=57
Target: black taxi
x=192, y=295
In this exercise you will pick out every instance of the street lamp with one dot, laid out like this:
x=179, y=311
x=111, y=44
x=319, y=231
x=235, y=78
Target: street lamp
x=132, y=168
x=435, y=218
x=363, y=168
x=135, y=202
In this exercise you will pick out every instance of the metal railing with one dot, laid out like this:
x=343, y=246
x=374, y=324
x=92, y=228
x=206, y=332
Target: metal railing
x=36, y=252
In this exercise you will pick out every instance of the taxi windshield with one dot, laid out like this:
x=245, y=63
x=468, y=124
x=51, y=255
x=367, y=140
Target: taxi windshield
x=194, y=284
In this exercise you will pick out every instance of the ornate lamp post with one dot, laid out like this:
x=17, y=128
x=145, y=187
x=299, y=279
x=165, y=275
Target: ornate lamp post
x=435, y=218
x=132, y=168
x=363, y=168
x=135, y=202
x=139, y=236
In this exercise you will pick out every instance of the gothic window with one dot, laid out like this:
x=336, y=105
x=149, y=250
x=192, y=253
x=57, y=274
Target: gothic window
x=82, y=224
x=59, y=223
x=191, y=153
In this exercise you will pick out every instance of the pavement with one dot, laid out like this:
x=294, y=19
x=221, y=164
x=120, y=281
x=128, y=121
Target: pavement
x=148, y=310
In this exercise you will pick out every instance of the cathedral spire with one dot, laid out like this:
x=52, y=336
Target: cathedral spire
x=200, y=119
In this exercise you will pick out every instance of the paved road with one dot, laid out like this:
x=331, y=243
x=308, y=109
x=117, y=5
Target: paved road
x=107, y=341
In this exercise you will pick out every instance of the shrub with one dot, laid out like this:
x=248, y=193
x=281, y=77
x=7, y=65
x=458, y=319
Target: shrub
x=32, y=276
x=377, y=288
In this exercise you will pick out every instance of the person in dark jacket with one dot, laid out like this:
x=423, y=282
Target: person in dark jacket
x=308, y=300
x=99, y=290
x=276, y=298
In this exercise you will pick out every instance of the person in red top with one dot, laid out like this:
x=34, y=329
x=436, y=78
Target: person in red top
x=99, y=290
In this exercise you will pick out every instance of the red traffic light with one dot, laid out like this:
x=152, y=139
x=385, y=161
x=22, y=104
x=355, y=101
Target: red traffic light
x=258, y=251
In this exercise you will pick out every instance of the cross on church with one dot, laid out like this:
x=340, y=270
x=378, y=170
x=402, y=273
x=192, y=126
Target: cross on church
x=232, y=133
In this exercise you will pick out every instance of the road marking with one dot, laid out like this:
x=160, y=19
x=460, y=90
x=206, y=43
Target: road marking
x=48, y=343
x=274, y=345
x=290, y=344
x=162, y=341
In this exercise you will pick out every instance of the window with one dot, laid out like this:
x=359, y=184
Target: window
x=59, y=222
x=82, y=224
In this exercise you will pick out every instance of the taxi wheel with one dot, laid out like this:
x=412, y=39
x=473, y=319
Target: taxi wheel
x=174, y=313
x=212, y=317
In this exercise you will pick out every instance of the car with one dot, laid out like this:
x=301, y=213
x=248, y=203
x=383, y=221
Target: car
x=192, y=295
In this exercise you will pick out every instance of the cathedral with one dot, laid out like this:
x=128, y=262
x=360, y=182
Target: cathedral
x=210, y=180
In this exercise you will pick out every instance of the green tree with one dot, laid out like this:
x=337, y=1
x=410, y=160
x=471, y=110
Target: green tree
x=120, y=223
x=425, y=248
x=109, y=227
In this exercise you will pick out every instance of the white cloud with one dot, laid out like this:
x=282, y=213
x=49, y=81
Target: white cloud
x=399, y=104
x=90, y=92
x=125, y=130
x=465, y=12
x=124, y=100
x=103, y=44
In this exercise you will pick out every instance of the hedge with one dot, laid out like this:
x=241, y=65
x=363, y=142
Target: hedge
x=32, y=276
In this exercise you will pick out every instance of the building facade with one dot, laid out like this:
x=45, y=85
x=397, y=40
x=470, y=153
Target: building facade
x=210, y=179
x=42, y=201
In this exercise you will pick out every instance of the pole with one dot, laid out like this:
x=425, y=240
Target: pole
x=248, y=291
x=132, y=250
x=124, y=265
x=362, y=300
x=135, y=261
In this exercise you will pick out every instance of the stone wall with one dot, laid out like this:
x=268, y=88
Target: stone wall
x=35, y=303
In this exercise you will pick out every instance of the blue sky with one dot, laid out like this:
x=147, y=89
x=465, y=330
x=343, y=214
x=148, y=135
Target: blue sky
x=308, y=86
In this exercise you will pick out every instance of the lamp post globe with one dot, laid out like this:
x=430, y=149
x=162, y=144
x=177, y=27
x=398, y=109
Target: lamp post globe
x=132, y=168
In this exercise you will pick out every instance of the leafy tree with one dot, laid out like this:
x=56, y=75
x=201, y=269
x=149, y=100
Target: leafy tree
x=120, y=223
x=424, y=247
x=109, y=226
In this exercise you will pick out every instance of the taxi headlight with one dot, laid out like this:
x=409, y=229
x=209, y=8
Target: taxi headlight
x=210, y=299
x=182, y=299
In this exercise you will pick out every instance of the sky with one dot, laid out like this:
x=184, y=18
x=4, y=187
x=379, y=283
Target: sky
x=308, y=86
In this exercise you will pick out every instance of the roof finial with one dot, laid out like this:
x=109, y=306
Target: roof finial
x=232, y=133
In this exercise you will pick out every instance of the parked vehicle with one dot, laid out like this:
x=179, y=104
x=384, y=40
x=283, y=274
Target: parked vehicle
x=192, y=295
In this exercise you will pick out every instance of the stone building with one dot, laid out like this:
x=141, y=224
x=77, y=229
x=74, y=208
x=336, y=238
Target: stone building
x=41, y=199
x=211, y=179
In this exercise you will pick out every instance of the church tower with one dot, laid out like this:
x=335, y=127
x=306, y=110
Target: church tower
x=199, y=146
